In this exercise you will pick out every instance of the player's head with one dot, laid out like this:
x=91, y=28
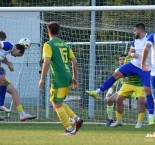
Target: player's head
x=2, y=36
x=18, y=50
x=122, y=59
x=139, y=30
x=53, y=28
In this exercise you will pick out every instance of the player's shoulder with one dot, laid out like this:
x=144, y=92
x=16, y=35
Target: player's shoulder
x=150, y=35
x=6, y=45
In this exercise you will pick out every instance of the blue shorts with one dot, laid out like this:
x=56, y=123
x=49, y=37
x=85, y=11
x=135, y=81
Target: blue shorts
x=129, y=69
x=152, y=81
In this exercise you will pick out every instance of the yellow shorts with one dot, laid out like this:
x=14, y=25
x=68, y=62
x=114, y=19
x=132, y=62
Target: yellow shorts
x=128, y=90
x=4, y=73
x=8, y=82
x=58, y=95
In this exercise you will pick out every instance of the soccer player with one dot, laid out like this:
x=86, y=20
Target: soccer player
x=57, y=55
x=110, y=97
x=133, y=68
x=132, y=88
x=3, y=88
x=150, y=46
x=5, y=85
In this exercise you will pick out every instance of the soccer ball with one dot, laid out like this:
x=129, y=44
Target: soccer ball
x=26, y=42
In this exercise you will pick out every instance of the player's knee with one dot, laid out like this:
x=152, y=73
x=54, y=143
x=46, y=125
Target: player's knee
x=141, y=101
x=119, y=100
x=117, y=75
x=109, y=102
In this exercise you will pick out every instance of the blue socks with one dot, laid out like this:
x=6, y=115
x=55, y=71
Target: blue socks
x=2, y=92
x=107, y=84
x=150, y=104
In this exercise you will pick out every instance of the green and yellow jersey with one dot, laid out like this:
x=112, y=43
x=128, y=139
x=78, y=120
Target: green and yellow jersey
x=60, y=55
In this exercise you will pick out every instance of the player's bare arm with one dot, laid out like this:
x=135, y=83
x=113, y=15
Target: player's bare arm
x=146, y=49
x=45, y=68
x=8, y=63
x=74, y=71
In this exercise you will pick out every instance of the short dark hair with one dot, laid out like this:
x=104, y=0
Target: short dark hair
x=21, y=48
x=123, y=55
x=140, y=25
x=54, y=28
x=2, y=36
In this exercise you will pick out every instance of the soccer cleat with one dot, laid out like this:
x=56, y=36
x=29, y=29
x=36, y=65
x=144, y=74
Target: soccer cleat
x=78, y=125
x=117, y=123
x=138, y=125
x=151, y=121
x=25, y=116
x=69, y=132
x=3, y=108
x=108, y=122
x=93, y=94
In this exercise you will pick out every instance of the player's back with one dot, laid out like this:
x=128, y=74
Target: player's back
x=60, y=66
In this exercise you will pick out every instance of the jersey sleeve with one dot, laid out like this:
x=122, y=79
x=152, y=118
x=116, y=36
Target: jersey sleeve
x=71, y=54
x=150, y=39
x=5, y=45
x=47, y=51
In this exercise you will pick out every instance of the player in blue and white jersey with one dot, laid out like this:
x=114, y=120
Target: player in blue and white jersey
x=150, y=46
x=5, y=85
x=133, y=68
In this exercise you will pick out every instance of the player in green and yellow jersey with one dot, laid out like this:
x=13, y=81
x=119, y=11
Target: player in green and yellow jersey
x=57, y=56
x=111, y=96
x=133, y=85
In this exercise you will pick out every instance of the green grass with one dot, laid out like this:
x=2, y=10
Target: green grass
x=51, y=134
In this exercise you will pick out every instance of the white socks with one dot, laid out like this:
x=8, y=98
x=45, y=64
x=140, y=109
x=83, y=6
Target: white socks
x=98, y=90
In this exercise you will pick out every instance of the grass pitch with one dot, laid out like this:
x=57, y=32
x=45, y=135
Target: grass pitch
x=52, y=134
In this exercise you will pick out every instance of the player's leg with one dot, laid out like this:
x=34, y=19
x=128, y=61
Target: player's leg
x=139, y=92
x=16, y=100
x=124, y=92
x=141, y=111
x=152, y=82
x=77, y=120
x=145, y=76
x=110, y=104
x=63, y=111
x=119, y=111
x=122, y=72
x=3, y=92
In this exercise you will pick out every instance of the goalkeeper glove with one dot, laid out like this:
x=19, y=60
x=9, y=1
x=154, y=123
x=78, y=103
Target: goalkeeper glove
x=110, y=92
